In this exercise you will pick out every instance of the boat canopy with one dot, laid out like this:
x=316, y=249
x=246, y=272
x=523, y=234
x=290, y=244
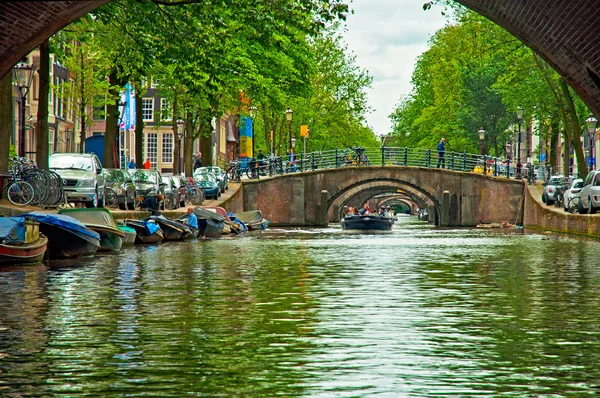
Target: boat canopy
x=208, y=214
x=62, y=221
x=95, y=218
x=12, y=229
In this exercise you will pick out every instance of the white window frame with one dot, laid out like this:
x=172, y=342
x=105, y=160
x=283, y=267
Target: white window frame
x=167, y=148
x=145, y=101
x=166, y=111
x=151, y=148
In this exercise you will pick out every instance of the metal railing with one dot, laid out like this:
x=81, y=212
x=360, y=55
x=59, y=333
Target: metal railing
x=381, y=156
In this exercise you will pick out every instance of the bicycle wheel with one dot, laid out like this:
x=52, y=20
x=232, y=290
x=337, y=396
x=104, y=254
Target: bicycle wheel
x=112, y=199
x=20, y=193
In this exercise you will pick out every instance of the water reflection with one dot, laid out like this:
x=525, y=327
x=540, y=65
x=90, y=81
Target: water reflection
x=321, y=312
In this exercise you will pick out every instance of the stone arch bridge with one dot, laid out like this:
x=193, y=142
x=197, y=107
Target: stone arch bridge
x=314, y=198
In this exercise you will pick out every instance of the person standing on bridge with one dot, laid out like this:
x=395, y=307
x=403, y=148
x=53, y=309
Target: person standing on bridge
x=441, y=148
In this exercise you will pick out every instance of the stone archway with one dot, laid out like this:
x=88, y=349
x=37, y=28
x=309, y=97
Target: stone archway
x=360, y=197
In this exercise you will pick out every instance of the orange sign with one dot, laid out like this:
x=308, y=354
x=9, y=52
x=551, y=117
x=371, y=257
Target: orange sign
x=304, y=130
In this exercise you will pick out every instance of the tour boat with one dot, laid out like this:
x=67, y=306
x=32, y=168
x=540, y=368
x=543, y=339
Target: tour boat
x=101, y=221
x=21, y=242
x=147, y=232
x=67, y=236
x=370, y=222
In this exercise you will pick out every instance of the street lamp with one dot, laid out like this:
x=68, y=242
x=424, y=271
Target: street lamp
x=520, y=114
x=180, y=136
x=591, y=123
x=507, y=148
x=481, y=133
x=23, y=74
x=288, y=116
x=253, y=110
x=293, y=143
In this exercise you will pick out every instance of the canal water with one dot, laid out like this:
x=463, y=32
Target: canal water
x=418, y=311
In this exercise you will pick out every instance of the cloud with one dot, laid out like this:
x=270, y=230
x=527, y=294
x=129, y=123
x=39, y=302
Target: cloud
x=387, y=36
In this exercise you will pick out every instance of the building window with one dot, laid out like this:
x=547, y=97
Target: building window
x=152, y=148
x=166, y=112
x=147, y=109
x=167, y=148
x=154, y=83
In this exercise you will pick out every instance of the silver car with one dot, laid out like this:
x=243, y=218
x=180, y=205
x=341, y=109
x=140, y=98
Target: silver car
x=589, y=197
x=549, y=194
x=82, y=177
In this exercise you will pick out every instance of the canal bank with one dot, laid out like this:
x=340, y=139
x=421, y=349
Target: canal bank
x=227, y=200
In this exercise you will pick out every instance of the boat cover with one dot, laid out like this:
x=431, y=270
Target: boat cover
x=126, y=228
x=208, y=214
x=252, y=218
x=12, y=229
x=151, y=227
x=95, y=218
x=61, y=220
x=239, y=222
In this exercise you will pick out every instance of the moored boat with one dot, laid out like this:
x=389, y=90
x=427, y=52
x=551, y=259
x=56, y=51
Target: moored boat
x=147, y=232
x=67, y=236
x=253, y=219
x=101, y=221
x=21, y=242
x=370, y=222
x=210, y=224
x=130, y=234
x=172, y=229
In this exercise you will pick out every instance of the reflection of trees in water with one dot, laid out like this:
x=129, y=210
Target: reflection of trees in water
x=521, y=309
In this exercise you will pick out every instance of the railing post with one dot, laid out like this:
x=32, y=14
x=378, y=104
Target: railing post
x=336, y=158
x=405, y=156
x=383, y=155
x=428, y=154
x=484, y=165
x=508, y=169
x=496, y=167
x=464, y=161
x=452, y=160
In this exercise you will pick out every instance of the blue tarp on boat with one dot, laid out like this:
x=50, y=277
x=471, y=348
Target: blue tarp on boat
x=12, y=229
x=61, y=220
x=233, y=218
x=151, y=227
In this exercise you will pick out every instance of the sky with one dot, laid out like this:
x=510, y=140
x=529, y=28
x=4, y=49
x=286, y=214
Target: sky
x=387, y=36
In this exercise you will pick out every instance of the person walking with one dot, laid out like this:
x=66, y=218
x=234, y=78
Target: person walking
x=148, y=164
x=441, y=148
x=131, y=164
x=198, y=161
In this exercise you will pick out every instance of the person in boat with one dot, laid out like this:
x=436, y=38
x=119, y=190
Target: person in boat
x=192, y=220
x=365, y=210
x=346, y=211
x=383, y=212
x=390, y=211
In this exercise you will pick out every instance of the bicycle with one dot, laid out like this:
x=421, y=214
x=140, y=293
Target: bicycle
x=18, y=192
x=573, y=205
x=193, y=196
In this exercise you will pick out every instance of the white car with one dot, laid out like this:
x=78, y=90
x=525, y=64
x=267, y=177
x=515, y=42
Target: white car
x=589, y=197
x=571, y=196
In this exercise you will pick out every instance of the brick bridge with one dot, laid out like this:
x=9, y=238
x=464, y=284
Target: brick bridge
x=317, y=197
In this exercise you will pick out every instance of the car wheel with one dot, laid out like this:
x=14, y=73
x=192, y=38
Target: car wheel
x=549, y=201
x=581, y=209
x=592, y=208
x=544, y=198
x=123, y=204
x=94, y=202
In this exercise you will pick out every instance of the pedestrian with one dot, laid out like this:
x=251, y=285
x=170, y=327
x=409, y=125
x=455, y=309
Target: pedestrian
x=131, y=164
x=198, y=161
x=148, y=164
x=441, y=148
x=293, y=161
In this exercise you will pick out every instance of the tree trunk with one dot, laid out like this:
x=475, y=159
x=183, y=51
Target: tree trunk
x=206, y=143
x=573, y=128
x=82, y=105
x=42, y=115
x=112, y=123
x=554, y=148
x=176, y=143
x=187, y=146
x=6, y=119
x=139, y=129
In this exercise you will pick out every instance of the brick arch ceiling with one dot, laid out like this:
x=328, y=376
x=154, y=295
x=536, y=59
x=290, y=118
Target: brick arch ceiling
x=25, y=25
x=564, y=32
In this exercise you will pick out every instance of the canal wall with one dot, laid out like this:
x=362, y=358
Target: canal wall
x=539, y=216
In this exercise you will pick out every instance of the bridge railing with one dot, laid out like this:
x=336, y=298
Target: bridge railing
x=385, y=156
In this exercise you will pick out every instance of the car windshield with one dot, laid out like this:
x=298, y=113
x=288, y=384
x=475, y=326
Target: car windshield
x=114, y=175
x=144, y=176
x=205, y=177
x=556, y=180
x=167, y=180
x=71, y=162
x=578, y=184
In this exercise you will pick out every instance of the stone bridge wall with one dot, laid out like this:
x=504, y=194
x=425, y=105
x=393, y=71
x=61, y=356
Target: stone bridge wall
x=295, y=199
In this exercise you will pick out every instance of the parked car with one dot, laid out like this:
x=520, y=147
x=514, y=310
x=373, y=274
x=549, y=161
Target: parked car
x=120, y=185
x=148, y=182
x=549, y=193
x=207, y=182
x=220, y=174
x=82, y=177
x=589, y=197
x=171, y=193
x=571, y=194
x=182, y=189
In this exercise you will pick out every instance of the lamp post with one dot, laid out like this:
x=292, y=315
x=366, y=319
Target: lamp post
x=180, y=136
x=481, y=133
x=23, y=74
x=520, y=113
x=507, y=148
x=288, y=116
x=292, y=143
x=591, y=123
x=253, y=110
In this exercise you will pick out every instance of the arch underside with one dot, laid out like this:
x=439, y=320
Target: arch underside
x=376, y=187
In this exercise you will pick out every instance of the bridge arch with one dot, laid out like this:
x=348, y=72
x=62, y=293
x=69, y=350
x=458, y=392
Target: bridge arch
x=381, y=185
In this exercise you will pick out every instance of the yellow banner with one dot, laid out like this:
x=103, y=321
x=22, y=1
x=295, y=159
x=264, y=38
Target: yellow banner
x=246, y=146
